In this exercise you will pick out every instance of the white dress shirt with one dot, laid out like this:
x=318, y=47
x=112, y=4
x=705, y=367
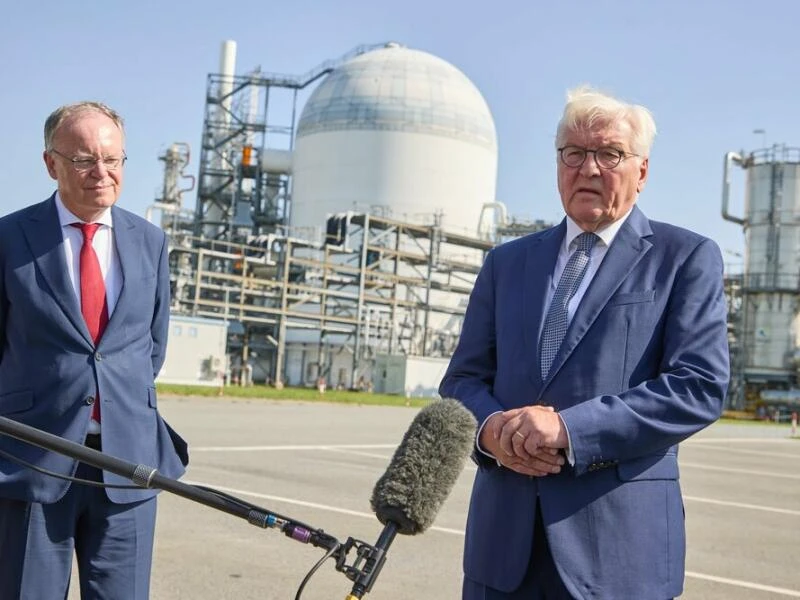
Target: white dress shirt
x=103, y=244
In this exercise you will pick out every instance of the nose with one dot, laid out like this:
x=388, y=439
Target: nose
x=589, y=167
x=99, y=170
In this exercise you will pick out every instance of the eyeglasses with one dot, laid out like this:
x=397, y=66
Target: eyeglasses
x=83, y=164
x=606, y=157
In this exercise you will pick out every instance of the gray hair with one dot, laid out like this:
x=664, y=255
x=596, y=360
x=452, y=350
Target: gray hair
x=588, y=108
x=66, y=112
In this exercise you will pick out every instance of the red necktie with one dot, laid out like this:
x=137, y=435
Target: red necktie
x=94, y=304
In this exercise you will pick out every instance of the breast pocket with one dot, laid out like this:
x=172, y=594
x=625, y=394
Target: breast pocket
x=632, y=298
x=630, y=324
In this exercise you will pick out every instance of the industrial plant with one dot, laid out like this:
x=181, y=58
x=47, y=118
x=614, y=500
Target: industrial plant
x=342, y=216
x=763, y=299
x=339, y=245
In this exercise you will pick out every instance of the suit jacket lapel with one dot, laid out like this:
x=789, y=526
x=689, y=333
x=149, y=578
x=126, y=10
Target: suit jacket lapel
x=128, y=241
x=627, y=249
x=46, y=241
x=539, y=264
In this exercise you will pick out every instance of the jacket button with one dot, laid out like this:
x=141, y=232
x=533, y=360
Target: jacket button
x=98, y=356
x=89, y=400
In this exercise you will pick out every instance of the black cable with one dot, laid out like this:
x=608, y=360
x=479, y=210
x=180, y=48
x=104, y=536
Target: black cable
x=313, y=570
x=247, y=505
x=223, y=495
x=109, y=486
x=242, y=503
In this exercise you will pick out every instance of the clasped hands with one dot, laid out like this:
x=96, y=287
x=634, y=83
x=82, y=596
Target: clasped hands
x=527, y=440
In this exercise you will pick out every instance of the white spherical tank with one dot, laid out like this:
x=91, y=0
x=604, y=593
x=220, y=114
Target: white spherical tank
x=396, y=132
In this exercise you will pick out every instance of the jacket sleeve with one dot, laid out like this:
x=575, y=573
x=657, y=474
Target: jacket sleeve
x=688, y=391
x=470, y=375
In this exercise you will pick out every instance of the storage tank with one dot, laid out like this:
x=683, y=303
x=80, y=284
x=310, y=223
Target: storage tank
x=396, y=132
x=767, y=334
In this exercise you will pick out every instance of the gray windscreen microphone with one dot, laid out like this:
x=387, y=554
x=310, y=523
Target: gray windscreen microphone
x=419, y=478
x=425, y=466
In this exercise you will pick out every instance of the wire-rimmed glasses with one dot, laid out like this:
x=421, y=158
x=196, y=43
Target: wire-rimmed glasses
x=85, y=163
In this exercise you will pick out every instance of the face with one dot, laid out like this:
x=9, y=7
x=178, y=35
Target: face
x=88, y=135
x=595, y=197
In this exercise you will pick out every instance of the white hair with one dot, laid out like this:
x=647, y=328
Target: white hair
x=589, y=109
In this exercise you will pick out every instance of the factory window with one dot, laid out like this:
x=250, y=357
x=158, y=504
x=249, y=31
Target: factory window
x=177, y=330
x=193, y=332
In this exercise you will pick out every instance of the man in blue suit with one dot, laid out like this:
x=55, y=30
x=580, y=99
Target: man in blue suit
x=589, y=351
x=84, y=312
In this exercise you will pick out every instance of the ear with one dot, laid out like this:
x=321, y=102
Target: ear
x=643, y=168
x=50, y=163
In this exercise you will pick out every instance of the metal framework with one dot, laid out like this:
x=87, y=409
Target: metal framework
x=376, y=286
x=246, y=116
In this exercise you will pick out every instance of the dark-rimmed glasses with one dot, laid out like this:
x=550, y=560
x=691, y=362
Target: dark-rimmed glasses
x=606, y=157
x=83, y=164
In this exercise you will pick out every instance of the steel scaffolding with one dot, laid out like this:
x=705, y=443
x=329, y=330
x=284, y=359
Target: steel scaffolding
x=375, y=286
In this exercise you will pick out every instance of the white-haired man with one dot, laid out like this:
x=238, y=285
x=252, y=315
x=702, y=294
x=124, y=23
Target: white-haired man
x=588, y=352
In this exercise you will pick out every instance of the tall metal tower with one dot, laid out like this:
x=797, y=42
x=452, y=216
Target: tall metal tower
x=245, y=156
x=765, y=335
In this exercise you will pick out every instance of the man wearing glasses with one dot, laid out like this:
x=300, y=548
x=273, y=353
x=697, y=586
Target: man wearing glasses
x=588, y=352
x=84, y=312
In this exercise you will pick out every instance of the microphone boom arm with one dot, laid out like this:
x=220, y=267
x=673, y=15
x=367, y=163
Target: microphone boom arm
x=141, y=475
x=365, y=568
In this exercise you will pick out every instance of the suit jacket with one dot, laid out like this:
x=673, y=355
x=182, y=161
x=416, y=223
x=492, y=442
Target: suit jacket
x=643, y=366
x=51, y=371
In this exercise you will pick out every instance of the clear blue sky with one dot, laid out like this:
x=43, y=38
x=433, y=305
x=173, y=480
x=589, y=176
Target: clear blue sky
x=711, y=72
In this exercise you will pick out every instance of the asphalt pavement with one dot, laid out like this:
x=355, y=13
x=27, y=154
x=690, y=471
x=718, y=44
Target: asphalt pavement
x=318, y=463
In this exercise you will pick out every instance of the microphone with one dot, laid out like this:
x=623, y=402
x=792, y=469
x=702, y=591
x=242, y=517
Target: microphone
x=418, y=480
x=405, y=499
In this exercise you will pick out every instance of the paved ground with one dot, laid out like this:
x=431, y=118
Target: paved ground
x=318, y=464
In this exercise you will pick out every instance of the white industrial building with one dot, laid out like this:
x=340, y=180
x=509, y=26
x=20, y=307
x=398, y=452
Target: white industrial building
x=399, y=133
x=196, y=352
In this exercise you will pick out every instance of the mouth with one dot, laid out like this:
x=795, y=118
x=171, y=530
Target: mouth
x=585, y=190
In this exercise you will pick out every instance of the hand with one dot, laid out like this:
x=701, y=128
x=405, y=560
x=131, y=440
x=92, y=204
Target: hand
x=544, y=461
x=529, y=429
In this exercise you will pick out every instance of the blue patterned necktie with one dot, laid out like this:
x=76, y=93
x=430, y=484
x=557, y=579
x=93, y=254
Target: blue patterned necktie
x=556, y=322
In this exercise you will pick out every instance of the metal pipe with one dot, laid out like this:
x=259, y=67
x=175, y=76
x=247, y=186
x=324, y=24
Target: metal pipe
x=227, y=68
x=362, y=274
x=500, y=219
x=148, y=213
x=730, y=157
x=280, y=351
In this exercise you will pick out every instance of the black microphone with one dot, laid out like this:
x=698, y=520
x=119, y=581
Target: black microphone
x=418, y=480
